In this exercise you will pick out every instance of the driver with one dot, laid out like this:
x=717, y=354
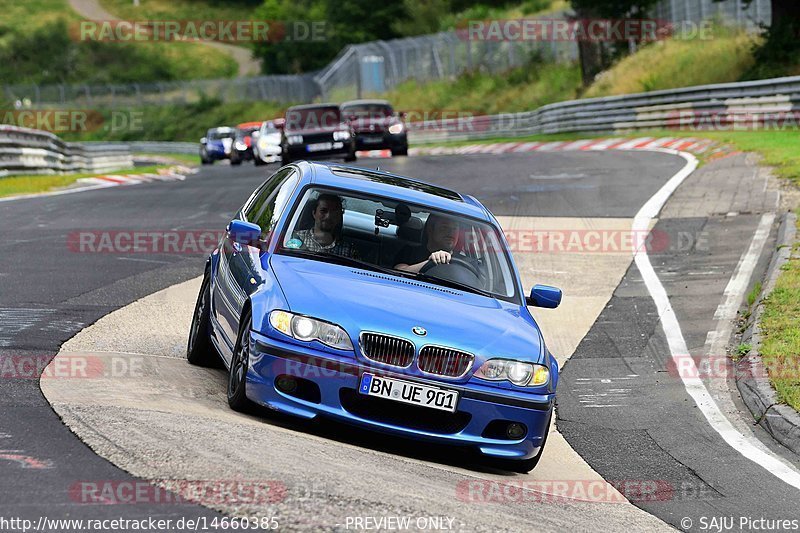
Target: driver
x=326, y=235
x=440, y=239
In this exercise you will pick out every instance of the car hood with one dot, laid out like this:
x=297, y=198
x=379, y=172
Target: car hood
x=373, y=124
x=313, y=131
x=364, y=300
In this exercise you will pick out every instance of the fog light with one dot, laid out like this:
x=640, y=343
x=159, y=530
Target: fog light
x=516, y=431
x=286, y=384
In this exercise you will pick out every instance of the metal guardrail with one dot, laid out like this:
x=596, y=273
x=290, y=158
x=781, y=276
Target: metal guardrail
x=762, y=103
x=27, y=151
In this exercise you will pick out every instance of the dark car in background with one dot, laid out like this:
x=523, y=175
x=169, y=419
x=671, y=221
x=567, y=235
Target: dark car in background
x=216, y=145
x=376, y=125
x=243, y=143
x=316, y=131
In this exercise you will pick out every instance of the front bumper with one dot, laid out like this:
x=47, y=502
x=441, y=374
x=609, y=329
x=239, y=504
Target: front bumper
x=337, y=379
x=381, y=141
x=269, y=154
x=340, y=149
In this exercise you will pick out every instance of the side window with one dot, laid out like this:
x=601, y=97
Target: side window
x=272, y=209
x=264, y=193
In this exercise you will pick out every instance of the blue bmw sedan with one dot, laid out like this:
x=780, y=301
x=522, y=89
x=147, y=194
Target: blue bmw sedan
x=381, y=301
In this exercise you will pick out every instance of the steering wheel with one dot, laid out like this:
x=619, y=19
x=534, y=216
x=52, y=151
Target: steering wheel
x=457, y=261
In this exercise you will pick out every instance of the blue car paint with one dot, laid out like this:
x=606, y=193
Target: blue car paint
x=361, y=300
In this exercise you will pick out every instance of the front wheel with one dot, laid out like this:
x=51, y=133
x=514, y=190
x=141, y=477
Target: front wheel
x=350, y=157
x=199, y=350
x=237, y=375
x=400, y=151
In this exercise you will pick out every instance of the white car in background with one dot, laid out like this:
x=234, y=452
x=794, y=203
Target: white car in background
x=267, y=142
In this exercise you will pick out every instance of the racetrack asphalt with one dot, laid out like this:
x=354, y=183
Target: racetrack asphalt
x=49, y=293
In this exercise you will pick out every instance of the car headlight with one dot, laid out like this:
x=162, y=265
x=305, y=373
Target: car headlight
x=517, y=372
x=240, y=145
x=295, y=139
x=341, y=135
x=394, y=129
x=308, y=329
x=262, y=143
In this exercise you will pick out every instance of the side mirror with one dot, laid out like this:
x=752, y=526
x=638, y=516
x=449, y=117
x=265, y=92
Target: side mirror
x=242, y=232
x=255, y=135
x=203, y=141
x=544, y=296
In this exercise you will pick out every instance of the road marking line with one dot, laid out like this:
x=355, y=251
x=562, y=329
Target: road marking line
x=747, y=445
x=717, y=340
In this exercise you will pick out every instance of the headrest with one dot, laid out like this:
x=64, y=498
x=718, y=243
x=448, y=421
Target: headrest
x=411, y=230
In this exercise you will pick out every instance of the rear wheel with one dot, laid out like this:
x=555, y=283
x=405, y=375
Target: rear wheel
x=199, y=350
x=237, y=376
x=400, y=151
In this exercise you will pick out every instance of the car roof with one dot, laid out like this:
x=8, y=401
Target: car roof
x=221, y=129
x=366, y=102
x=392, y=186
x=313, y=106
x=244, y=125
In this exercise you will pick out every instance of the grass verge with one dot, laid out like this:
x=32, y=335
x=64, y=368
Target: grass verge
x=725, y=56
x=190, y=159
x=31, y=184
x=780, y=328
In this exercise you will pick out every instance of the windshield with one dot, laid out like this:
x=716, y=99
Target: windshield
x=368, y=110
x=310, y=118
x=223, y=134
x=409, y=240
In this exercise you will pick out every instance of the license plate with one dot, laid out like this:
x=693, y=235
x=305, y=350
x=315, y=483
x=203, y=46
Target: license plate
x=373, y=140
x=320, y=147
x=408, y=392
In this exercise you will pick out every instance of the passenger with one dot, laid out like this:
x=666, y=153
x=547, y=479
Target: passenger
x=326, y=235
x=439, y=241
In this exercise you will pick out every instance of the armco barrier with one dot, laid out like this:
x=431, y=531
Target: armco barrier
x=28, y=151
x=761, y=103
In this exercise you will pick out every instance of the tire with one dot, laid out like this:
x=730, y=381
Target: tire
x=400, y=151
x=236, y=162
x=258, y=161
x=526, y=465
x=237, y=374
x=286, y=158
x=199, y=350
x=349, y=158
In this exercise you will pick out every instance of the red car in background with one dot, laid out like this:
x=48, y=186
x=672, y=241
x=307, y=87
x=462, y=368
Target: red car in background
x=243, y=143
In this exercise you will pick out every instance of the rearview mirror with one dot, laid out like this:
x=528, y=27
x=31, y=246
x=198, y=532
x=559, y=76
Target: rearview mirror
x=243, y=232
x=544, y=296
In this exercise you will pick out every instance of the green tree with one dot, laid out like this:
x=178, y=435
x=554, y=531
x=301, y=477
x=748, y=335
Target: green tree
x=596, y=56
x=780, y=49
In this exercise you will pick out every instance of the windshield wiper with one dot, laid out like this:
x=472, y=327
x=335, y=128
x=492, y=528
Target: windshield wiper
x=349, y=261
x=453, y=284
